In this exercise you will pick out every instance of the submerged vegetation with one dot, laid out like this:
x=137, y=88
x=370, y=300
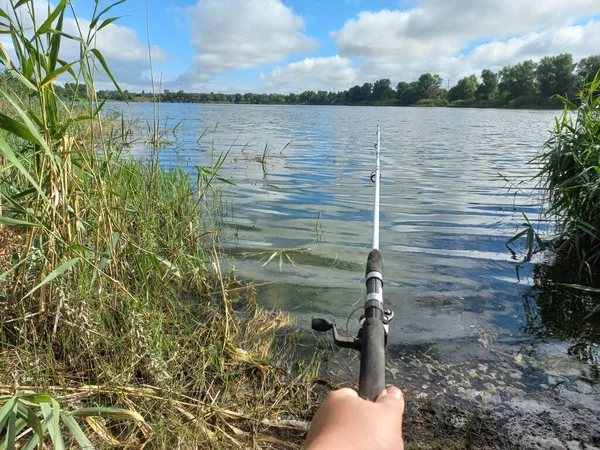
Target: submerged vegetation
x=112, y=292
x=524, y=85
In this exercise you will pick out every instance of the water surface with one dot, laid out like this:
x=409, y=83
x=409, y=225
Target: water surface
x=446, y=215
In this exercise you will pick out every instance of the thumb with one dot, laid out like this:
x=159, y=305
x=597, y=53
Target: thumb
x=392, y=398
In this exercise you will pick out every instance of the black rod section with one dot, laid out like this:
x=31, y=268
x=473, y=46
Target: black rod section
x=372, y=355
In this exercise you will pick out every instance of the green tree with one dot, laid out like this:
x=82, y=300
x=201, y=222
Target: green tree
x=465, y=89
x=322, y=98
x=407, y=93
x=518, y=80
x=488, y=89
x=355, y=94
x=308, y=98
x=382, y=89
x=366, y=91
x=429, y=85
x=292, y=98
x=588, y=68
x=555, y=75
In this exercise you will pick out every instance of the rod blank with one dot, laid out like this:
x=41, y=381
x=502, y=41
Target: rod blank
x=377, y=183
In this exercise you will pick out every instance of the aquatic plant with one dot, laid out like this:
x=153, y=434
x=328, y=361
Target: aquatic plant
x=569, y=176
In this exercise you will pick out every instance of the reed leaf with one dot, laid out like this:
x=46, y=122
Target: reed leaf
x=55, y=74
x=52, y=422
x=76, y=431
x=100, y=58
x=108, y=22
x=7, y=152
x=109, y=413
x=60, y=270
x=11, y=221
x=45, y=27
x=32, y=421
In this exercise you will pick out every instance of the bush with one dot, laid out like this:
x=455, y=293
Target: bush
x=492, y=103
x=536, y=102
x=431, y=102
x=462, y=103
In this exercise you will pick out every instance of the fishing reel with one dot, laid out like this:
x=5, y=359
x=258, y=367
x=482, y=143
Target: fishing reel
x=324, y=325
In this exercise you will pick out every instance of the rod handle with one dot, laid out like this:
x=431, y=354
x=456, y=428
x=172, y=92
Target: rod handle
x=372, y=359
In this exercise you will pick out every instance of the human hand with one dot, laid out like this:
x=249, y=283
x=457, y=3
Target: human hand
x=348, y=422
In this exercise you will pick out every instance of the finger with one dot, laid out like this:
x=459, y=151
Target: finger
x=392, y=397
x=342, y=393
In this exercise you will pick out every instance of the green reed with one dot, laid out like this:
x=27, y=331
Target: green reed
x=112, y=289
x=570, y=174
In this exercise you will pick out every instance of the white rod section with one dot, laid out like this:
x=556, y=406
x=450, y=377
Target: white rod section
x=377, y=179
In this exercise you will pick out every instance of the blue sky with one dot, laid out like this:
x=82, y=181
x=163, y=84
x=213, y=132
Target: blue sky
x=294, y=45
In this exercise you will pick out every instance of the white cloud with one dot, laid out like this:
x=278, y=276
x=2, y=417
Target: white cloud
x=126, y=55
x=332, y=73
x=231, y=35
x=386, y=34
x=433, y=25
x=580, y=40
x=441, y=37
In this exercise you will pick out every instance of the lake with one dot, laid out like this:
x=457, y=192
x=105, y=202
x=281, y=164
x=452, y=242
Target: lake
x=447, y=212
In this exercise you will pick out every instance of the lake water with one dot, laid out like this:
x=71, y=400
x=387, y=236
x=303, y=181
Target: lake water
x=446, y=215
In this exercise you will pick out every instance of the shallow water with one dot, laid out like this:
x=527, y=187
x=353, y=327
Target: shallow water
x=446, y=216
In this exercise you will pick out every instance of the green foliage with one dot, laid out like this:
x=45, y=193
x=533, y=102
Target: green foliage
x=464, y=103
x=39, y=142
x=519, y=80
x=465, y=89
x=428, y=86
x=555, y=76
x=588, y=68
x=488, y=89
x=109, y=254
x=42, y=414
x=432, y=102
x=570, y=175
x=382, y=90
x=475, y=103
x=536, y=102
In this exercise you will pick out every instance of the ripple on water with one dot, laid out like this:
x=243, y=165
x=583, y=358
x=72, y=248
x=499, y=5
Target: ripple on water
x=446, y=211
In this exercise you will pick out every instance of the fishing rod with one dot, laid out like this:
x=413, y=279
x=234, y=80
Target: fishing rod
x=372, y=335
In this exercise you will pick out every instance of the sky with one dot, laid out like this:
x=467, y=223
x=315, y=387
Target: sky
x=284, y=46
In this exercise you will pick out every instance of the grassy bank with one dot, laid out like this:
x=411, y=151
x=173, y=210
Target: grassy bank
x=112, y=296
x=525, y=102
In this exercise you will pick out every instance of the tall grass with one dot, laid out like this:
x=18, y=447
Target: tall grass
x=570, y=174
x=112, y=290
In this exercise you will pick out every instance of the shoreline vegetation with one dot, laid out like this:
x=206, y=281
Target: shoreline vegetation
x=526, y=85
x=568, y=173
x=119, y=326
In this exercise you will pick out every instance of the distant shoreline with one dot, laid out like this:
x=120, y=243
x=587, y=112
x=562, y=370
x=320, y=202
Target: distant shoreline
x=538, y=103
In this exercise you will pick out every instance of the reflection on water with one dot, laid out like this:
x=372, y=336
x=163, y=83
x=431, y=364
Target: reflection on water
x=557, y=312
x=446, y=215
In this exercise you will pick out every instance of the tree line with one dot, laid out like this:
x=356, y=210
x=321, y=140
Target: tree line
x=526, y=84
